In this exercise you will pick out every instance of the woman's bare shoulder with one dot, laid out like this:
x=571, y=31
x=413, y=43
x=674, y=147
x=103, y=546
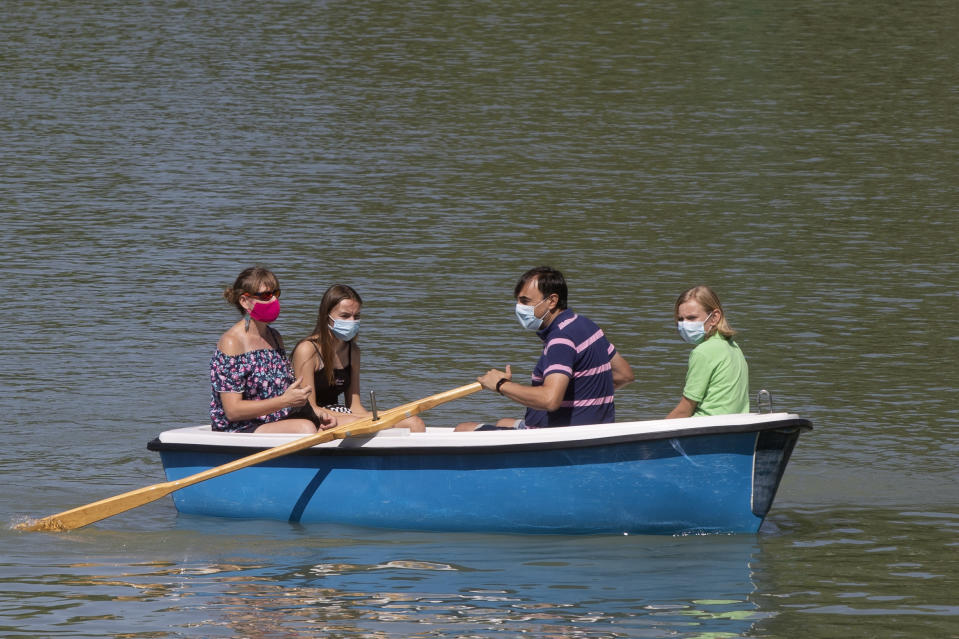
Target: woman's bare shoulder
x=305, y=350
x=232, y=342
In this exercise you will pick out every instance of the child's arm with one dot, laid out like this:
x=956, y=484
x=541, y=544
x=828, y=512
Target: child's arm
x=685, y=408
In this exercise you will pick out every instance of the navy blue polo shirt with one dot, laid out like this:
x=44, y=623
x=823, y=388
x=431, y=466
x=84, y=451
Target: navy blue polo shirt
x=573, y=345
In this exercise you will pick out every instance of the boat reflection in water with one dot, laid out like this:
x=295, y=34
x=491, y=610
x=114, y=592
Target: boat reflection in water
x=366, y=582
x=694, y=475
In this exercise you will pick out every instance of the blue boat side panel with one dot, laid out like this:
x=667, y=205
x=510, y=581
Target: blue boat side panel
x=689, y=484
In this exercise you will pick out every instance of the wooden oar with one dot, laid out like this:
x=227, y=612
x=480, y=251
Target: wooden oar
x=83, y=515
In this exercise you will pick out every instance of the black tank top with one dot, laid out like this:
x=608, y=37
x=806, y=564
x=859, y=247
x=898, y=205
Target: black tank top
x=326, y=394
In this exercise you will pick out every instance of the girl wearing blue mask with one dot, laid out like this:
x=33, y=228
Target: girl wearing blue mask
x=717, y=379
x=330, y=358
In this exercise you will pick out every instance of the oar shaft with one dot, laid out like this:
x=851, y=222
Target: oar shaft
x=84, y=515
x=359, y=427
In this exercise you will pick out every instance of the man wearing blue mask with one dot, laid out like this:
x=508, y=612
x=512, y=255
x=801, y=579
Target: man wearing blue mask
x=578, y=371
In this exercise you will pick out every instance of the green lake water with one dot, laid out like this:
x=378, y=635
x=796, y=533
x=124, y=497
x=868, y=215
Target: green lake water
x=801, y=159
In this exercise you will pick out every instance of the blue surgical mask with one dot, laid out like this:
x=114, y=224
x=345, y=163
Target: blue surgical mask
x=527, y=316
x=692, y=332
x=345, y=329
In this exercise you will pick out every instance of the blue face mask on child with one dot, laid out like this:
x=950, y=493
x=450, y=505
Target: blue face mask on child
x=345, y=329
x=692, y=332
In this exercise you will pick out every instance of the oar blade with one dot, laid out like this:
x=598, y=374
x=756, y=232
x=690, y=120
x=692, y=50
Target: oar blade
x=90, y=513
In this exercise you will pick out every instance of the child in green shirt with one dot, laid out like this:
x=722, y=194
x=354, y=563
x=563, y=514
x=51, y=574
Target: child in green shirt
x=717, y=379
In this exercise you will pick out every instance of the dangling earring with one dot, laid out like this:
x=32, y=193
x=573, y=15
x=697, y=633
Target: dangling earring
x=246, y=319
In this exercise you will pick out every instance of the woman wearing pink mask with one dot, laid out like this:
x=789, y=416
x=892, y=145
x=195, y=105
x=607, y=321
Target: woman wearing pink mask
x=253, y=385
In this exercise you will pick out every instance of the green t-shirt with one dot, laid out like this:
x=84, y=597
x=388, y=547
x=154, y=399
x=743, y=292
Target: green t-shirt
x=717, y=378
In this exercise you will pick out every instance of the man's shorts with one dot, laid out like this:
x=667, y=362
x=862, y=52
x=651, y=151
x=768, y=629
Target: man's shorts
x=519, y=424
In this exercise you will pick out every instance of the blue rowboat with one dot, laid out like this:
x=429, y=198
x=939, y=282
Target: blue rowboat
x=696, y=475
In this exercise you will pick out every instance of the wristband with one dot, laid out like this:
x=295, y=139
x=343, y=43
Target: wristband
x=499, y=384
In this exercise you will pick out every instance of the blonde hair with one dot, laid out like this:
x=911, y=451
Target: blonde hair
x=708, y=299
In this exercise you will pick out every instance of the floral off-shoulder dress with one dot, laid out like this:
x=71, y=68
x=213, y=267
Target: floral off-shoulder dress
x=259, y=374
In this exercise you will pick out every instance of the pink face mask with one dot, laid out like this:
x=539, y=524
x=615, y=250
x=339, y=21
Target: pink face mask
x=266, y=311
